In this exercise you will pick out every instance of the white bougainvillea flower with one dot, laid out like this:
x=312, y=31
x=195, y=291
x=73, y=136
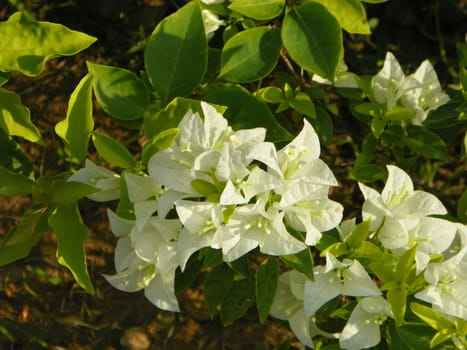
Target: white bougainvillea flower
x=104, y=179
x=447, y=285
x=362, y=330
x=390, y=83
x=253, y=225
x=202, y=222
x=146, y=259
x=398, y=209
x=211, y=22
x=288, y=305
x=141, y=188
x=307, y=208
x=427, y=96
x=348, y=277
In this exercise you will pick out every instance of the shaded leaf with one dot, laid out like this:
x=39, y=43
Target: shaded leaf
x=426, y=143
x=14, y=184
x=267, y=278
x=302, y=262
x=237, y=300
x=218, y=282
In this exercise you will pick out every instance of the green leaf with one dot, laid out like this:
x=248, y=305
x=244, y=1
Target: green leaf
x=430, y=316
x=250, y=55
x=371, y=109
x=258, y=9
x=237, y=300
x=30, y=43
x=406, y=264
x=245, y=111
x=399, y=114
x=176, y=55
x=303, y=104
x=76, y=127
x=12, y=158
x=14, y=184
x=119, y=92
x=359, y=234
x=301, y=261
x=71, y=234
x=366, y=172
x=350, y=14
x=113, y=151
x=416, y=335
x=377, y=126
x=270, y=94
x=15, y=118
x=17, y=244
x=60, y=191
x=397, y=299
x=337, y=249
x=383, y=272
x=426, y=143
x=368, y=250
x=462, y=208
x=267, y=278
x=218, y=282
x=313, y=38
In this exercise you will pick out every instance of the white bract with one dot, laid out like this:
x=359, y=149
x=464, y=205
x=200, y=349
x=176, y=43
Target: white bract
x=447, y=285
x=419, y=93
x=211, y=22
x=362, y=330
x=146, y=259
x=343, y=78
x=288, y=305
x=427, y=96
x=104, y=179
x=400, y=216
x=348, y=277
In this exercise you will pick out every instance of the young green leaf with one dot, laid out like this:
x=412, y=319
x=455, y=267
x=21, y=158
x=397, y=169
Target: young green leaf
x=14, y=184
x=176, y=55
x=76, y=127
x=267, y=278
x=350, y=14
x=238, y=299
x=303, y=104
x=397, y=298
x=430, y=316
x=258, y=9
x=359, y=234
x=313, y=38
x=250, y=55
x=218, y=282
x=71, y=233
x=112, y=151
x=31, y=43
x=15, y=118
x=119, y=92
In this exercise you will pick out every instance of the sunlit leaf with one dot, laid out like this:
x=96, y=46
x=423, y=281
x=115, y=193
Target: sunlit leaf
x=14, y=184
x=313, y=38
x=258, y=9
x=15, y=118
x=350, y=14
x=251, y=54
x=112, y=151
x=75, y=129
x=29, y=44
x=176, y=55
x=71, y=234
x=119, y=92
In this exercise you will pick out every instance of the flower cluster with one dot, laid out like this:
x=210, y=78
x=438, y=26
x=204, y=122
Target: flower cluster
x=419, y=93
x=233, y=191
x=399, y=220
x=230, y=190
